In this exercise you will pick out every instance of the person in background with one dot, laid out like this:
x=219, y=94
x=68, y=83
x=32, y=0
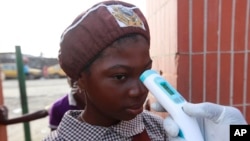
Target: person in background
x=105, y=50
x=26, y=66
x=75, y=100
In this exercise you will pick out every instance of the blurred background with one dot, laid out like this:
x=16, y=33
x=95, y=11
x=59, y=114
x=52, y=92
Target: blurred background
x=202, y=47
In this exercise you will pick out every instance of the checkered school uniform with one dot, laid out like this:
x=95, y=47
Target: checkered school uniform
x=71, y=129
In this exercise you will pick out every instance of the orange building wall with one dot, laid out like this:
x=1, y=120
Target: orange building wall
x=203, y=48
x=162, y=19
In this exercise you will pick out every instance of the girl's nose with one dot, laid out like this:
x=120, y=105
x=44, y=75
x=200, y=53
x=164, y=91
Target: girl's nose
x=138, y=89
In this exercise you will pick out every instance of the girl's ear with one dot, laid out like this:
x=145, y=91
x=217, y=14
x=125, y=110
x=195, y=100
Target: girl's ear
x=82, y=81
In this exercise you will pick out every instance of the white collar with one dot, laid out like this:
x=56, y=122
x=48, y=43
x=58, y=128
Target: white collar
x=72, y=101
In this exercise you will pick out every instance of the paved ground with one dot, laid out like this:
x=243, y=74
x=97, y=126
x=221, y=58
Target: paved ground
x=40, y=93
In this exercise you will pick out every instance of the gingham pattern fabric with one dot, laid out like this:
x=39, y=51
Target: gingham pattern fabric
x=71, y=129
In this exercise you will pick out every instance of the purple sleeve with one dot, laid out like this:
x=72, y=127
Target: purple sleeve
x=57, y=111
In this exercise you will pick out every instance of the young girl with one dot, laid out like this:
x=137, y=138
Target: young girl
x=106, y=49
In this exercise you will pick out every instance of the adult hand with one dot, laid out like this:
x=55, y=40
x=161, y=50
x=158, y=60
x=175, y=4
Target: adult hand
x=214, y=120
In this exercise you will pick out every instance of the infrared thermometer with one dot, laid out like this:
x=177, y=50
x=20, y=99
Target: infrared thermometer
x=172, y=102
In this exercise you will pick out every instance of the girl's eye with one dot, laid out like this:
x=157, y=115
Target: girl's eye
x=119, y=77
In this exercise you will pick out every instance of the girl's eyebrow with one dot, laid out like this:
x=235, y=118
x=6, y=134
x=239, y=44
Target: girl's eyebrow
x=120, y=66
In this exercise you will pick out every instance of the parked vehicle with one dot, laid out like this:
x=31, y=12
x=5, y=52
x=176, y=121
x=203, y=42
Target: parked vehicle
x=10, y=71
x=55, y=71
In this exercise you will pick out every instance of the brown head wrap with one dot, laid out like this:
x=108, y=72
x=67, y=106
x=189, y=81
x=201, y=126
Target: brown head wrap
x=94, y=30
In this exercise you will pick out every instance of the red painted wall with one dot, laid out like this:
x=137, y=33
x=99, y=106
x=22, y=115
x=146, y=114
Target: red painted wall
x=203, y=48
x=217, y=59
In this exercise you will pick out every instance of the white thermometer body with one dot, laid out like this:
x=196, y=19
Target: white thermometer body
x=172, y=102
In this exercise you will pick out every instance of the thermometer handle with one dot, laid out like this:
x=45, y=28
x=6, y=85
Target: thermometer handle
x=172, y=101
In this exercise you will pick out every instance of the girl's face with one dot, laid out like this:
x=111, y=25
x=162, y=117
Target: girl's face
x=114, y=91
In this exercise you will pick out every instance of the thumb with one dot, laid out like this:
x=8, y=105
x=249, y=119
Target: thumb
x=171, y=127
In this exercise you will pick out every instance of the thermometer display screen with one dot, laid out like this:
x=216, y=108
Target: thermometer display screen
x=167, y=88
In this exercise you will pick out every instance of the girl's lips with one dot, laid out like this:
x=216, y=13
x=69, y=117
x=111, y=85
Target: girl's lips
x=135, y=110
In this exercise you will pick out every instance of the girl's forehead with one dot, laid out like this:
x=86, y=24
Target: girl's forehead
x=132, y=54
x=127, y=44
